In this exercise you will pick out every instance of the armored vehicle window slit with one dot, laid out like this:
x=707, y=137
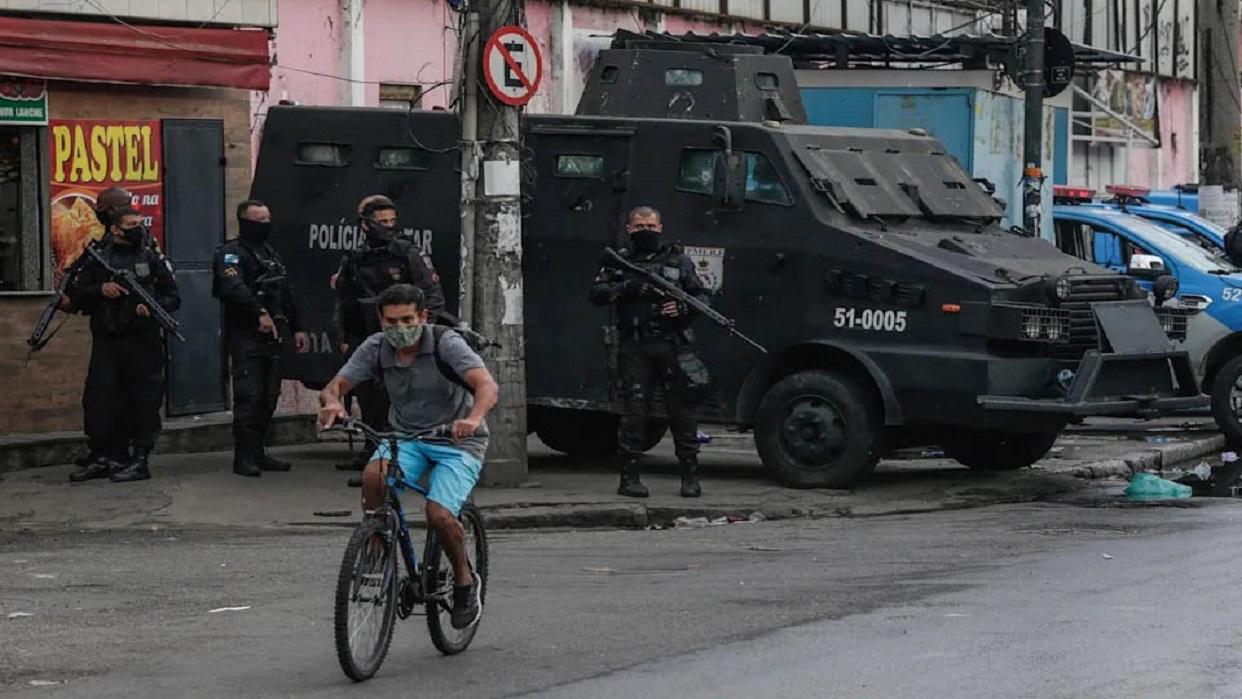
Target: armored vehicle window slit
x=767, y=81
x=402, y=159
x=590, y=167
x=322, y=154
x=683, y=77
x=609, y=74
x=763, y=183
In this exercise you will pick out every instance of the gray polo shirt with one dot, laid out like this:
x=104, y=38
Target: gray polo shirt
x=421, y=397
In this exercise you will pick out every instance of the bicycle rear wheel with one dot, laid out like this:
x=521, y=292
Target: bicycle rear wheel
x=439, y=574
x=366, y=590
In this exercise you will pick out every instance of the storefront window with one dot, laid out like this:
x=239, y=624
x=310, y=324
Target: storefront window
x=22, y=198
x=10, y=209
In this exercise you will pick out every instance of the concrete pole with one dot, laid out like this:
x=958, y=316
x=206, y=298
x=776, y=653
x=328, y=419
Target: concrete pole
x=498, y=297
x=351, y=54
x=469, y=165
x=1033, y=83
x=1219, y=113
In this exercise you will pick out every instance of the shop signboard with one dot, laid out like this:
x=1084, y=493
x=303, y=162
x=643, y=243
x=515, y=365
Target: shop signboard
x=22, y=102
x=91, y=155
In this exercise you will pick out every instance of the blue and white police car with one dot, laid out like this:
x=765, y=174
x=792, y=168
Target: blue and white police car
x=1201, y=305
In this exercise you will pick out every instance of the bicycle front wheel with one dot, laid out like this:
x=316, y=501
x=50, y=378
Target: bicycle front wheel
x=439, y=572
x=366, y=589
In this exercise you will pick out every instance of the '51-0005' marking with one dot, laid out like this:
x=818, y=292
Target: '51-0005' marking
x=870, y=319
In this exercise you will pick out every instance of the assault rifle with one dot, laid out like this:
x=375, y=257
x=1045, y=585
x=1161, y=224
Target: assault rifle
x=126, y=279
x=614, y=259
x=37, y=341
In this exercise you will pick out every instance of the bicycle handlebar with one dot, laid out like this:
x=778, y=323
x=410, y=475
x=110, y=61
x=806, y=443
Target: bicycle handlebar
x=357, y=426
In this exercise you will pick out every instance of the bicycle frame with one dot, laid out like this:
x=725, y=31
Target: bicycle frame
x=422, y=587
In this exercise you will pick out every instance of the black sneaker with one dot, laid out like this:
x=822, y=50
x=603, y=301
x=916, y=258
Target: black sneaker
x=467, y=605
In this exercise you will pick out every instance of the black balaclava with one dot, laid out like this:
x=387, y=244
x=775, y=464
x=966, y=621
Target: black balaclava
x=254, y=232
x=646, y=242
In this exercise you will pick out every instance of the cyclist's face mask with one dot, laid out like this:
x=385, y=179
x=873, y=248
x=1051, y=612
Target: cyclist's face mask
x=403, y=336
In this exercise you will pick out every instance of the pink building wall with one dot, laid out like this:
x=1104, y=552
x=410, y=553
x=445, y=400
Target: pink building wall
x=411, y=41
x=1174, y=161
x=415, y=41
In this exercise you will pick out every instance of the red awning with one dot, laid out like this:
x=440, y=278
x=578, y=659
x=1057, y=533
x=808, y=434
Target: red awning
x=144, y=54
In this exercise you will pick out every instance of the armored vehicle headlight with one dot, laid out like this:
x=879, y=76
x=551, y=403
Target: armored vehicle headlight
x=1030, y=326
x=1062, y=288
x=1045, y=324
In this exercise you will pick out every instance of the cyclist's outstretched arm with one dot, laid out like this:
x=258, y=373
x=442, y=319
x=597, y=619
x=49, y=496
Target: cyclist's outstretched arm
x=486, y=391
x=331, y=409
x=359, y=368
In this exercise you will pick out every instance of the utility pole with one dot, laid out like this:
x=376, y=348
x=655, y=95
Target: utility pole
x=1033, y=141
x=492, y=243
x=1219, y=113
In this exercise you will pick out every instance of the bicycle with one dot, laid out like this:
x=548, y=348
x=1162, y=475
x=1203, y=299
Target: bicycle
x=369, y=582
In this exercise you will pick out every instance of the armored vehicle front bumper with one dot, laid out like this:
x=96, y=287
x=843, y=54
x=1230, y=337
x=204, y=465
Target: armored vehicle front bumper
x=1121, y=384
x=1134, y=370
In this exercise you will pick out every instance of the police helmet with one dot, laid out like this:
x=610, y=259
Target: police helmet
x=110, y=202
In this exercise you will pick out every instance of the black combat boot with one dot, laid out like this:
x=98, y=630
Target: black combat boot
x=99, y=467
x=268, y=463
x=246, y=464
x=357, y=463
x=137, y=469
x=630, y=485
x=690, y=478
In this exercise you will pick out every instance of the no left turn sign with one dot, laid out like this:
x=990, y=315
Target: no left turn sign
x=512, y=65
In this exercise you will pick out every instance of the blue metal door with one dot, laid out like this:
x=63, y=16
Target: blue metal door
x=193, y=228
x=946, y=115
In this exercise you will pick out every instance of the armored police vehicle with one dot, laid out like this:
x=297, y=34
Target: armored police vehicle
x=894, y=309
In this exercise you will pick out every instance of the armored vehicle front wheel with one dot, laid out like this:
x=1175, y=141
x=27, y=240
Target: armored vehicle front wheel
x=817, y=429
x=999, y=450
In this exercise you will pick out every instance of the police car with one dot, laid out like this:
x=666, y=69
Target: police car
x=1204, y=294
x=1144, y=203
x=1182, y=196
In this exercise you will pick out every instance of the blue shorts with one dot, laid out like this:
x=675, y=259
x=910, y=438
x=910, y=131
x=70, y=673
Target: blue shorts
x=453, y=471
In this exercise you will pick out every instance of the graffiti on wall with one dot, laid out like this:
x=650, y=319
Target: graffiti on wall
x=1129, y=95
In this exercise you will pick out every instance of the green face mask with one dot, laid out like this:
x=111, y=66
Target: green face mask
x=403, y=336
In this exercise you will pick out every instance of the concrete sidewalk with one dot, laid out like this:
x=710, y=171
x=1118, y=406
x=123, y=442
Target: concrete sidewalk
x=199, y=490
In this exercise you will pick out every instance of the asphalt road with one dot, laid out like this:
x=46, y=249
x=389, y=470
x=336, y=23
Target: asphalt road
x=1034, y=600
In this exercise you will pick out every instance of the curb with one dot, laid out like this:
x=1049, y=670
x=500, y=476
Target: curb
x=1150, y=459
x=619, y=515
x=181, y=437
x=641, y=516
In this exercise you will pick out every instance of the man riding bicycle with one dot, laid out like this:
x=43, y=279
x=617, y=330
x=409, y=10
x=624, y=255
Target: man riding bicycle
x=433, y=379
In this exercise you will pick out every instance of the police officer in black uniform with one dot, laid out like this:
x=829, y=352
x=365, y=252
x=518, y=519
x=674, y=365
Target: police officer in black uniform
x=383, y=260
x=654, y=331
x=125, y=381
x=259, y=314
x=108, y=203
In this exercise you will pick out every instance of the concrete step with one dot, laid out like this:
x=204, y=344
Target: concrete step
x=199, y=433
